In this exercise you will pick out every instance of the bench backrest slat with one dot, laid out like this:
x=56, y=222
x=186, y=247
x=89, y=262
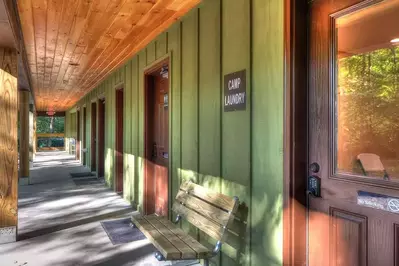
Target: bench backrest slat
x=217, y=215
x=220, y=200
x=208, y=226
x=209, y=211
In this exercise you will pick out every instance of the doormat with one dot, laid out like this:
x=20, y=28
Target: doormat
x=88, y=181
x=120, y=232
x=82, y=174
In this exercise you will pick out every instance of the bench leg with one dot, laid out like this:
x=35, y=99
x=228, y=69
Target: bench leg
x=206, y=262
x=159, y=256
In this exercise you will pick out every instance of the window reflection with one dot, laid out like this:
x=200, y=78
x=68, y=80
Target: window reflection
x=367, y=113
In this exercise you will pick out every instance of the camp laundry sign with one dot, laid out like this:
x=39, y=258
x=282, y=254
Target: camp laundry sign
x=235, y=91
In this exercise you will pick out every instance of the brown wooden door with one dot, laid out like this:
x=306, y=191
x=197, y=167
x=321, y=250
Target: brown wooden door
x=157, y=150
x=101, y=137
x=353, y=132
x=93, y=136
x=78, y=135
x=84, y=137
x=119, y=141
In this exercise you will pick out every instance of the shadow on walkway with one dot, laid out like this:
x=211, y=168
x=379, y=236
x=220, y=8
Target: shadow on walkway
x=54, y=202
x=59, y=222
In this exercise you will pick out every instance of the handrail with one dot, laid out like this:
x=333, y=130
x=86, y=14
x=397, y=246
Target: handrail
x=50, y=135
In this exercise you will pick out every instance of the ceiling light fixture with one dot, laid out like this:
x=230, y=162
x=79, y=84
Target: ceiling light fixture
x=396, y=40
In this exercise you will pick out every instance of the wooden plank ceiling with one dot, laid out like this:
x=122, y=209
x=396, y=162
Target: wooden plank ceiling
x=72, y=45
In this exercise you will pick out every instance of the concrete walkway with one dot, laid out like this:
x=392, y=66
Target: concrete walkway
x=59, y=221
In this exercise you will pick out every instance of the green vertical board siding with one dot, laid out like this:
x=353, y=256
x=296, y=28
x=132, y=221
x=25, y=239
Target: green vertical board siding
x=142, y=58
x=151, y=52
x=88, y=132
x=209, y=101
x=127, y=132
x=70, y=124
x=237, y=153
x=113, y=121
x=110, y=130
x=236, y=125
x=97, y=134
x=209, y=95
x=66, y=131
x=174, y=44
x=189, y=106
x=135, y=128
x=161, y=45
x=267, y=134
x=189, y=122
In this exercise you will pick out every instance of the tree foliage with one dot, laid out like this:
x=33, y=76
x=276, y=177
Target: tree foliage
x=43, y=124
x=368, y=108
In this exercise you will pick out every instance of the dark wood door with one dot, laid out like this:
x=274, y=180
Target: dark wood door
x=78, y=135
x=157, y=150
x=84, y=145
x=101, y=137
x=119, y=141
x=94, y=136
x=353, y=132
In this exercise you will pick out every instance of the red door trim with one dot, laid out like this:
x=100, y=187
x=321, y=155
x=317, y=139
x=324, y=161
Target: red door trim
x=295, y=132
x=119, y=139
x=77, y=150
x=101, y=136
x=149, y=192
x=94, y=110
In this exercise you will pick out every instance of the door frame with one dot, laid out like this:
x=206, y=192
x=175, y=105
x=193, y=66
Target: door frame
x=84, y=133
x=119, y=87
x=93, y=134
x=101, y=136
x=295, y=131
x=147, y=71
x=78, y=136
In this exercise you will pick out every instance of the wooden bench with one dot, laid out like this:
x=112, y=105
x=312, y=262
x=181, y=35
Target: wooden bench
x=209, y=211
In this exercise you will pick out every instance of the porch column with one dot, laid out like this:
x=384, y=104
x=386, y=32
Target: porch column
x=8, y=145
x=24, y=137
x=31, y=134
x=34, y=140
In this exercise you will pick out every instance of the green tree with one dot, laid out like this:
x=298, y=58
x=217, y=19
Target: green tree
x=368, y=108
x=45, y=124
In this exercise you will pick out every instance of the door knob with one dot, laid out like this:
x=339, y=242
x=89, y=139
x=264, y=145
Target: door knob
x=314, y=168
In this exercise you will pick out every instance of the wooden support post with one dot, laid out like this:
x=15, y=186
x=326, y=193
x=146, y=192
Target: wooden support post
x=8, y=145
x=24, y=137
x=31, y=135
x=34, y=141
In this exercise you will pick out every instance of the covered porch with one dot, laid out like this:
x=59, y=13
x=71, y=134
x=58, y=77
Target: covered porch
x=61, y=218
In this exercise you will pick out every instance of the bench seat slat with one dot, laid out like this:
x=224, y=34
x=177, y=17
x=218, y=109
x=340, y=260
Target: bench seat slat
x=169, y=251
x=209, y=227
x=186, y=251
x=211, y=212
x=222, y=201
x=201, y=250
